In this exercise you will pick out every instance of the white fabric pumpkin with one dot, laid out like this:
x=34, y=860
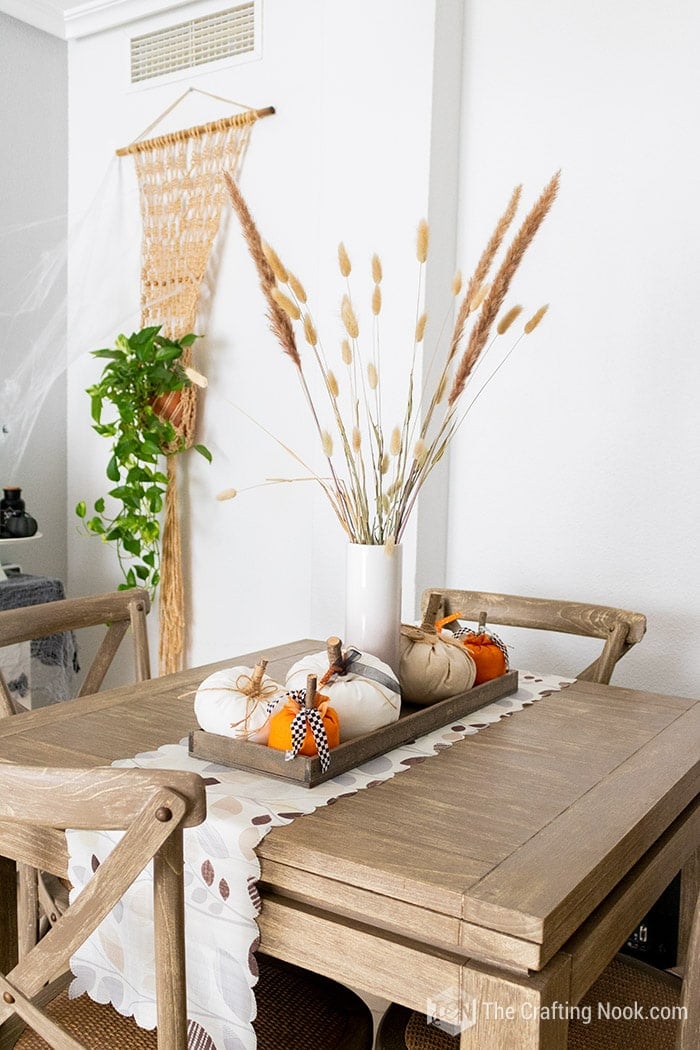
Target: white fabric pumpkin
x=365, y=698
x=433, y=667
x=223, y=706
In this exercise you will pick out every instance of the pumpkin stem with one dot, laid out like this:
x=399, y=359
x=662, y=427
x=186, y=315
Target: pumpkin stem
x=334, y=651
x=431, y=611
x=482, y=622
x=310, y=692
x=257, y=677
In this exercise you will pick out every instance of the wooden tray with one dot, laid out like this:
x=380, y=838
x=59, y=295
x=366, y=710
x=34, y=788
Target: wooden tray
x=412, y=723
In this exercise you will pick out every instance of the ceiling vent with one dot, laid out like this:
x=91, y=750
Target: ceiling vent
x=199, y=42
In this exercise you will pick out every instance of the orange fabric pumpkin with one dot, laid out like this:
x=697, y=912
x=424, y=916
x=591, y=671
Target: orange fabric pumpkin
x=488, y=652
x=281, y=726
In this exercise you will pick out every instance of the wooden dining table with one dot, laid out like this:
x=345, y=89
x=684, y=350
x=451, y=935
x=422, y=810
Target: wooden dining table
x=488, y=885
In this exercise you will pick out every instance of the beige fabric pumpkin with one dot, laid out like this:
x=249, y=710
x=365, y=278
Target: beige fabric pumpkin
x=365, y=698
x=229, y=703
x=432, y=667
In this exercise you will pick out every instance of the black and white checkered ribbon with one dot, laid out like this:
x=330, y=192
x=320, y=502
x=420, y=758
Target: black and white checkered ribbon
x=308, y=716
x=464, y=633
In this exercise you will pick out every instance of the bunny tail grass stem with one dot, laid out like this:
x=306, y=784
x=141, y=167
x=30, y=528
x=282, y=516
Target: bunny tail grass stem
x=333, y=492
x=494, y=300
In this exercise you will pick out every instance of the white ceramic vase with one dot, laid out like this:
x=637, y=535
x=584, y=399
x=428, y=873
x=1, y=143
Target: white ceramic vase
x=373, y=601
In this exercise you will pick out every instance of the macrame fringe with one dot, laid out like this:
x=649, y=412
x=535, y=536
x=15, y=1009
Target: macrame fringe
x=172, y=587
x=182, y=192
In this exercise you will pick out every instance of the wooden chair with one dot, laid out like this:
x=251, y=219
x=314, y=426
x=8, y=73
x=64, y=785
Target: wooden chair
x=297, y=1010
x=152, y=807
x=623, y=983
x=117, y=611
x=618, y=628
x=41, y=898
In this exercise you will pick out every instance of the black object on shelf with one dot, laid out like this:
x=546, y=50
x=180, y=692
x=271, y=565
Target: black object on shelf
x=655, y=940
x=15, y=523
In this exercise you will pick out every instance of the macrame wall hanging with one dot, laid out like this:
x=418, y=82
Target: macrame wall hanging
x=181, y=193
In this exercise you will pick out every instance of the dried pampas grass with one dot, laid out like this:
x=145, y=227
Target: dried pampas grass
x=375, y=476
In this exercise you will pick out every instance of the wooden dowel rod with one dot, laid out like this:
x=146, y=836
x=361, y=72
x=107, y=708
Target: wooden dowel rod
x=237, y=120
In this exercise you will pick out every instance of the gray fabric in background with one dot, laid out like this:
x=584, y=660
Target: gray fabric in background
x=57, y=650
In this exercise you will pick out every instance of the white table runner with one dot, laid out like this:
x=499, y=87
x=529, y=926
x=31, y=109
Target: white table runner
x=221, y=872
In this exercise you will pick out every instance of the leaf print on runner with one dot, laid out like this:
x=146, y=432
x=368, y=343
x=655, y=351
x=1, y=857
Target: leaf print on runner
x=208, y=872
x=254, y=893
x=212, y=842
x=233, y=985
x=224, y=889
x=197, y=1038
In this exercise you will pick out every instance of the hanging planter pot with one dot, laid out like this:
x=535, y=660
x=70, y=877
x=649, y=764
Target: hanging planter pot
x=432, y=666
x=362, y=688
x=170, y=408
x=238, y=702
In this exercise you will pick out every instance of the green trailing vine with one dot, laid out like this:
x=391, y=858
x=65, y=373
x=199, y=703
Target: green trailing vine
x=140, y=369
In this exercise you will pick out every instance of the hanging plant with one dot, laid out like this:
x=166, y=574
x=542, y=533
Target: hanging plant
x=140, y=384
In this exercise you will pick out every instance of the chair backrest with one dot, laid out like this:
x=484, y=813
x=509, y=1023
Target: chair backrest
x=152, y=808
x=117, y=611
x=619, y=628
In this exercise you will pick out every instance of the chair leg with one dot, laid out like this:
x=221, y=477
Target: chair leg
x=27, y=909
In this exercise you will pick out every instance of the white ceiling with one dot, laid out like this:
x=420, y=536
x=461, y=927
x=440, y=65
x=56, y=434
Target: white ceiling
x=68, y=19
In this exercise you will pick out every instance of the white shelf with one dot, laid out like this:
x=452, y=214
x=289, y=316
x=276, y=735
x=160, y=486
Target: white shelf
x=7, y=544
x=7, y=541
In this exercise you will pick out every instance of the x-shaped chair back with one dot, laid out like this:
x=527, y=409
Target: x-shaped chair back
x=620, y=629
x=117, y=611
x=152, y=808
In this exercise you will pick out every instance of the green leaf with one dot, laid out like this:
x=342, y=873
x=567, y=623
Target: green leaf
x=204, y=451
x=113, y=469
x=113, y=355
x=132, y=546
x=96, y=407
x=168, y=353
x=188, y=339
x=146, y=335
x=95, y=525
x=81, y=508
x=131, y=578
x=149, y=448
x=100, y=505
x=141, y=571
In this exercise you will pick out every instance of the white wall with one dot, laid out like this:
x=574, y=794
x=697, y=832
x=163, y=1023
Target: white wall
x=33, y=190
x=591, y=432
x=348, y=156
x=574, y=476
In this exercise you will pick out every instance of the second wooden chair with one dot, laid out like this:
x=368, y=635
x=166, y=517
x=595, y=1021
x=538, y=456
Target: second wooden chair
x=619, y=629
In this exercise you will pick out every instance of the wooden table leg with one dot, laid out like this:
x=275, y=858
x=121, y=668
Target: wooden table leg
x=8, y=915
x=690, y=887
x=507, y=1012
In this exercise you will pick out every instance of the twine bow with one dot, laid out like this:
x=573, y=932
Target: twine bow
x=313, y=718
x=256, y=690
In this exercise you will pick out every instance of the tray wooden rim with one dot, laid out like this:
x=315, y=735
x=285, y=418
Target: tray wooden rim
x=257, y=758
